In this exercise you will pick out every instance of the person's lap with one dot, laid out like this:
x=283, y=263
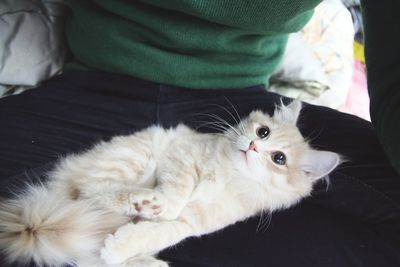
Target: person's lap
x=355, y=222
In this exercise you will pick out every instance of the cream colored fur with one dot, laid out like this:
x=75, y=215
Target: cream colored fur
x=176, y=183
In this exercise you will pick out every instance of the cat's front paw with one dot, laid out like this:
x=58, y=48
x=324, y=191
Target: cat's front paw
x=113, y=252
x=120, y=246
x=129, y=241
x=146, y=204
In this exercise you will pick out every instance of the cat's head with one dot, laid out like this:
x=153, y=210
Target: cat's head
x=272, y=151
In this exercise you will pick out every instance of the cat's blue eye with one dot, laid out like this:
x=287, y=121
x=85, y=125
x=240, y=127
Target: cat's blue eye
x=278, y=158
x=263, y=132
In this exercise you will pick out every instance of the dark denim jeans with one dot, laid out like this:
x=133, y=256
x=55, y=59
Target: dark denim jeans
x=353, y=222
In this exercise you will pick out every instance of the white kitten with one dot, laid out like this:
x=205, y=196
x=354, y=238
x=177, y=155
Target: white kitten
x=176, y=182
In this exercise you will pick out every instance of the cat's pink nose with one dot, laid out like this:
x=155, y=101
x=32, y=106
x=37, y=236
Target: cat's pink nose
x=253, y=146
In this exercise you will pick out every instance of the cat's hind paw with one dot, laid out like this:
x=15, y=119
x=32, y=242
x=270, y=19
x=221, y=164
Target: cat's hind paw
x=146, y=204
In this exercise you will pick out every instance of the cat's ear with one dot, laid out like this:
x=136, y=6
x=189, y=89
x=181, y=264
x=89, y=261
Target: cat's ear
x=318, y=164
x=289, y=113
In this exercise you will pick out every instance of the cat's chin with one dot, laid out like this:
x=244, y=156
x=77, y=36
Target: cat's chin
x=247, y=162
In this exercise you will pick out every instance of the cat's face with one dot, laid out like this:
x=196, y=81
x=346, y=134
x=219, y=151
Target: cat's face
x=272, y=151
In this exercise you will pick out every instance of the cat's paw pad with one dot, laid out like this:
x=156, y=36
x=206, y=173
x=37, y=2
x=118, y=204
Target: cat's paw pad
x=146, y=205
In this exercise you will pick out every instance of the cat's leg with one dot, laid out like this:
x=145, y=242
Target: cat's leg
x=133, y=201
x=150, y=237
x=129, y=195
x=121, y=165
x=174, y=188
x=126, y=199
x=165, y=201
x=143, y=238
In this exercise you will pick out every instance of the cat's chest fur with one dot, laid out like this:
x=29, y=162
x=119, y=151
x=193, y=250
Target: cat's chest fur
x=189, y=151
x=206, y=157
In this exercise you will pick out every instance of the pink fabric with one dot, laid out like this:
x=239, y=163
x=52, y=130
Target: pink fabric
x=357, y=102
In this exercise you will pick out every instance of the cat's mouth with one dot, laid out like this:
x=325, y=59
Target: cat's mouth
x=246, y=155
x=243, y=153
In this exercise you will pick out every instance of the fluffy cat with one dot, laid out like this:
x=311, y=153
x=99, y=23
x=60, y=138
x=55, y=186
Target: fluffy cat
x=175, y=183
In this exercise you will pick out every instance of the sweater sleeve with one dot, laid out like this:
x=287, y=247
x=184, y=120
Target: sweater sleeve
x=382, y=44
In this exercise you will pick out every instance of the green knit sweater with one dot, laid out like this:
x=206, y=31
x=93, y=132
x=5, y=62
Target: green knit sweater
x=227, y=44
x=189, y=43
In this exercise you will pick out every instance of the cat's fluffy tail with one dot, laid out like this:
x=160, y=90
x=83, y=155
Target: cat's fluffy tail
x=51, y=230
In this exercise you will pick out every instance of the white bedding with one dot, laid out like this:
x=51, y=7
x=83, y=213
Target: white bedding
x=32, y=41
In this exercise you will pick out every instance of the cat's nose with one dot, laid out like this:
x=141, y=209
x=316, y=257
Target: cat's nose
x=253, y=146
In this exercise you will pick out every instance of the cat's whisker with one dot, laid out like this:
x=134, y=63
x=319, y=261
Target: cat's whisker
x=259, y=224
x=222, y=132
x=265, y=221
x=261, y=203
x=236, y=119
x=260, y=221
x=227, y=111
x=222, y=121
x=216, y=118
x=217, y=126
x=240, y=123
x=232, y=135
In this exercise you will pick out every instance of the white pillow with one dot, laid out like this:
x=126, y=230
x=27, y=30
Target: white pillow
x=32, y=41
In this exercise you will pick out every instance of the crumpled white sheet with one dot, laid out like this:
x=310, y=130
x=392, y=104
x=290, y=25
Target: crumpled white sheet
x=32, y=40
x=318, y=63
